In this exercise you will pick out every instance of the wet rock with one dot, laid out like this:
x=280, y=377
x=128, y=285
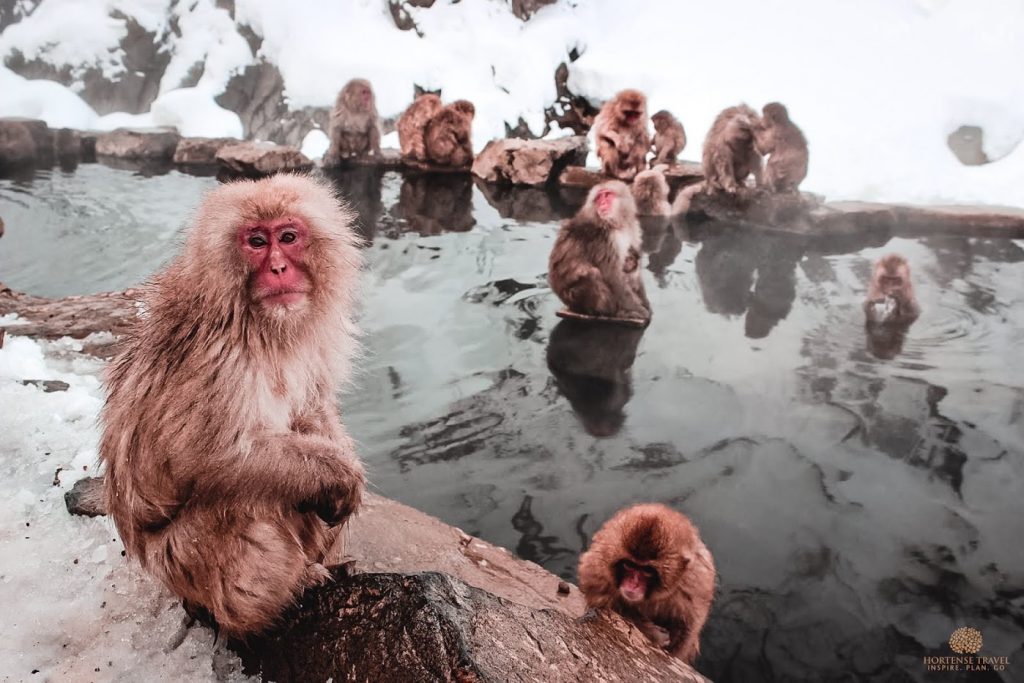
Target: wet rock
x=257, y=159
x=430, y=626
x=525, y=203
x=67, y=145
x=528, y=162
x=138, y=143
x=88, y=139
x=200, y=151
x=24, y=142
x=678, y=175
x=48, y=386
x=86, y=498
x=967, y=143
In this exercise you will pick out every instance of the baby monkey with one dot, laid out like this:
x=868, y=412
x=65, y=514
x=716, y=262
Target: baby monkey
x=649, y=564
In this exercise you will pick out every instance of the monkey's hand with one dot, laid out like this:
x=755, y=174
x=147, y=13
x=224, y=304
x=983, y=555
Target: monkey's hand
x=656, y=634
x=338, y=498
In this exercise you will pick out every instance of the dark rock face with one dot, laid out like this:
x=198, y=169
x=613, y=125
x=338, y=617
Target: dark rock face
x=132, y=91
x=967, y=144
x=17, y=147
x=524, y=9
x=138, y=143
x=200, y=151
x=257, y=159
x=528, y=162
x=85, y=498
x=433, y=627
x=257, y=96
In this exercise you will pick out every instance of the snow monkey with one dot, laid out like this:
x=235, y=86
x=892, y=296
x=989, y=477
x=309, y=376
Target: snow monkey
x=729, y=153
x=649, y=564
x=669, y=138
x=786, y=147
x=595, y=264
x=354, y=126
x=228, y=472
x=620, y=133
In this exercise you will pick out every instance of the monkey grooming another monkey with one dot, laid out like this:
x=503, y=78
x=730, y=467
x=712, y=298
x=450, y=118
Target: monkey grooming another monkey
x=729, y=152
x=648, y=563
x=891, y=295
x=620, y=133
x=669, y=138
x=448, y=138
x=775, y=135
x=650, y=192
x=228, y=472
x=412, y=126
x=594, y=266
x=354, y=125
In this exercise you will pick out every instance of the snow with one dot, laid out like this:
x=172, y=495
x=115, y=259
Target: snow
x=97, y=617
x=315, y=144
x=877, y=85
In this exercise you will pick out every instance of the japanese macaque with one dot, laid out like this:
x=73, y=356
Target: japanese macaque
x=228, y=472
x=890, y=307
x=775, y=135
x=649, y=564
x=595, y=264
x=448, y=136
x=650, y=192
x=684, y=198
x=669, y=138
x=729, y=152
x=412, y=126
x=620, y=133
x=354, y=124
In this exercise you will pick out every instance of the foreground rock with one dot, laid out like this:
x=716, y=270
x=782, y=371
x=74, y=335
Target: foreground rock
x=200, y=151
x=145, y=144
x=528, y=162
x=433, y=627
x=258, y=159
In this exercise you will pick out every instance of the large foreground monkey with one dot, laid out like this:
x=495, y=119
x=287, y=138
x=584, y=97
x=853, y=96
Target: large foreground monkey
x=229, y=473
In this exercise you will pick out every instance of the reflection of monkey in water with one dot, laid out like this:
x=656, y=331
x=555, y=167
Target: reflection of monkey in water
x=432, y=203
x=591, y=365
x=360, y=186
x=534, y=545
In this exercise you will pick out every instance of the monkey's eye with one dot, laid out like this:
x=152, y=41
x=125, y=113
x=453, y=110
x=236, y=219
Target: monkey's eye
x=288, y=237
x=257, y=241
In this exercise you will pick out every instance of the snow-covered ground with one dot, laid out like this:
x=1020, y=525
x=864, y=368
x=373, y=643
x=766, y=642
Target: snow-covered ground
x=57, y=572
x=877, y=85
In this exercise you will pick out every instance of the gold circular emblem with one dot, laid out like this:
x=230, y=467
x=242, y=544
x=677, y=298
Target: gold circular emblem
x=965, y=640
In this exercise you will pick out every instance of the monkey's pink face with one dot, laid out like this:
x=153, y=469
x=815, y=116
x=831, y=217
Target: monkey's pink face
x=890, y=281
x=275, y=252
x=605, y=202
x=635, y=580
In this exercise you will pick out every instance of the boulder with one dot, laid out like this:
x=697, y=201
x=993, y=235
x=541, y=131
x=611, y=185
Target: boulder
x=24, y=142
x=434, y=627
x=200, y=151
x=67, y=145
x=256, y=159
x=528, y=162
x=138, y=143
x=968, y=144
x=88, y=138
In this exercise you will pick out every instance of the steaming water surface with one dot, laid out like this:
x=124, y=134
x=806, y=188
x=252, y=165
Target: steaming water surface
x=862, y=497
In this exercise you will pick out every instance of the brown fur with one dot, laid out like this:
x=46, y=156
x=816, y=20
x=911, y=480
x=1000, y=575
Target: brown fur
x=890, y=279
x=620, y=133
x=729, y=153
x=592, y=269
x=650, y=191
x=780, y=138
x=223, y=447
x=448, y=137
x=669, y=138
x=665, y=540
x=412, y=125
x=354, y=124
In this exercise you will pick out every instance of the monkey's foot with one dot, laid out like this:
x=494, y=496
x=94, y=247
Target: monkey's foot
x=631, y=322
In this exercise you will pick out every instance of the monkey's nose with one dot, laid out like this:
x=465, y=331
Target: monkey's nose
x=277, y=270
